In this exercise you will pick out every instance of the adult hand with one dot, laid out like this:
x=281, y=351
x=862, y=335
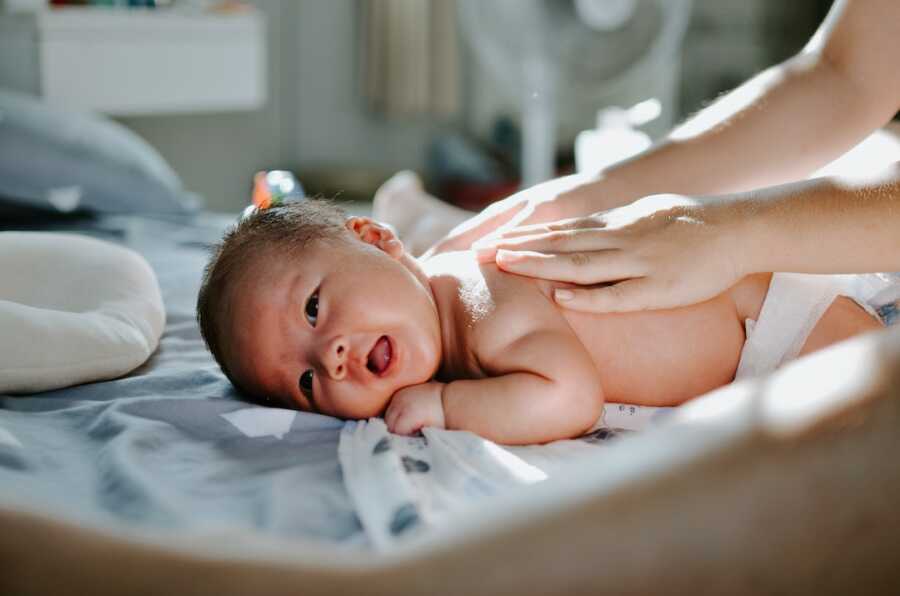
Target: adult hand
x=549, y=201
x=661, y=251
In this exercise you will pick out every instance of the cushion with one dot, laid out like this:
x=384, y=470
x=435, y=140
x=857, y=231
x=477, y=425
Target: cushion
x=73, y=309
x=54, y=159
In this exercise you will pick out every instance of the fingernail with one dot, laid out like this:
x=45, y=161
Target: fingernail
x=508, y=256
x=485, y=255
x=563, y=295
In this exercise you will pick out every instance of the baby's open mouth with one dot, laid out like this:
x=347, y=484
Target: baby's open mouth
x=380, y=356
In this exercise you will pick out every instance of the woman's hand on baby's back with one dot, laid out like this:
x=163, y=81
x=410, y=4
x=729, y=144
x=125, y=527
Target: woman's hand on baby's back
x=548, y=201
x=415, y=407
x=661, y=251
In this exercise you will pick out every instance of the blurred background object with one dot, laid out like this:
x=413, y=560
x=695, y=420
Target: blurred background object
x=345, y=93
x=410, y=58
x=562, y=60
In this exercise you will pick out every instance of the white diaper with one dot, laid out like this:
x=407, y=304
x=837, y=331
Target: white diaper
x=886, y=300
x=795, y=303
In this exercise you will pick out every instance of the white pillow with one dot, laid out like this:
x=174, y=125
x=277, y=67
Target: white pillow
x=73, y=309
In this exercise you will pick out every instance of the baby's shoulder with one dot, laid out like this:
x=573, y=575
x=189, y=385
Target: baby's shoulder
x=494, y=310
x=508, y=308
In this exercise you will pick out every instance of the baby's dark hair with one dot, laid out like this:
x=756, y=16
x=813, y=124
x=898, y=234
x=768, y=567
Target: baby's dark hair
x=276, y=232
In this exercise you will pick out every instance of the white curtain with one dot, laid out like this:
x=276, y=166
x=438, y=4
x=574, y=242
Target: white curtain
x=410, y=59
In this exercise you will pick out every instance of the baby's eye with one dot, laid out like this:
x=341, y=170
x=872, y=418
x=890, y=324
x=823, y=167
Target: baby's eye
x=306, y=384
x=312, y=309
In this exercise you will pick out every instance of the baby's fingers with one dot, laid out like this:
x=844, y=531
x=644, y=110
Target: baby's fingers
x=587, y=267
x=405, y=424
x=391, y=415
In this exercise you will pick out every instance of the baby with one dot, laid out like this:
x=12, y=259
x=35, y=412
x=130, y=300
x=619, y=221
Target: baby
x=309, y=309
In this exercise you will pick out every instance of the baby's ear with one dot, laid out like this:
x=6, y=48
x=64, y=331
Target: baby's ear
x=377, y=234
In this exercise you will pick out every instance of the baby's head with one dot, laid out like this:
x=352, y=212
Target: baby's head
x=307, y=309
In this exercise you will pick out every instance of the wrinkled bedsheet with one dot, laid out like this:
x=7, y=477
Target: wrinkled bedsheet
x=171, y=445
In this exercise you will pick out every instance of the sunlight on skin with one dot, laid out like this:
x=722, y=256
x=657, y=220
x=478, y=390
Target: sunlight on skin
x=884, y=176
x=874, y=154
x=723, y=110
x=722, y=113
x=817, y=42
x=646, y=207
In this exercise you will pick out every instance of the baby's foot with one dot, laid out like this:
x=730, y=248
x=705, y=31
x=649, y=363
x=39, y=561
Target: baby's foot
x=419, y=218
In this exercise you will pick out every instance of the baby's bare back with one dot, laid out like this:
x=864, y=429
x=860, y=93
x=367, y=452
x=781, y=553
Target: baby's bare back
x=662, y=357
x=649, y=358
x=658, y=358
x=665, y=357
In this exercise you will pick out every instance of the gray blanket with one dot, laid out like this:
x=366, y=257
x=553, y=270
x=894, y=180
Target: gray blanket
x=165, y=447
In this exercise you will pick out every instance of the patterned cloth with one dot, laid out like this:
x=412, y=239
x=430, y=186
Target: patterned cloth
x=886, y=302
x=401, y=486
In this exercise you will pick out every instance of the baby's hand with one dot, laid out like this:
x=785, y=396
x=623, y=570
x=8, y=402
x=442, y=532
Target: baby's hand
x=415, y=407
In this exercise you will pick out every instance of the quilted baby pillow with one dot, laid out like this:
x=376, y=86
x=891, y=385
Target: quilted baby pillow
x=73, y=309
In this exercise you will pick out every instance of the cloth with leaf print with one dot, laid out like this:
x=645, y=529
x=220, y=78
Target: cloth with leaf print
x=401, y=486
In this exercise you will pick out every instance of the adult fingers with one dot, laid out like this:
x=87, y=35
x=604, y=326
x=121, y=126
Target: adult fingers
x=628, y=295
x=573, y=223
x=579, y=240
x=478, y=227
x=487, y=245
x=576, y=267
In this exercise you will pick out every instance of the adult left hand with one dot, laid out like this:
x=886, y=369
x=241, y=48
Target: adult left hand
x=661, y=251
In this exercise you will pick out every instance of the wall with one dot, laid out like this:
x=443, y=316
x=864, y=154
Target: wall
x=333, y=125
x=729, y=41
x=315, y=119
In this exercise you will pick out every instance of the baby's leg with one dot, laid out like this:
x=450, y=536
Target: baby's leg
x=795, y=302
x=843, y=319
x=419, y=218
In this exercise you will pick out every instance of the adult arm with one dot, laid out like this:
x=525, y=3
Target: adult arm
x=777, y=127
x=673, y=250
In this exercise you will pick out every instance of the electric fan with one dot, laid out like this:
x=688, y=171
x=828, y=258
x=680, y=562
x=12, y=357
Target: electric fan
x=564, y=59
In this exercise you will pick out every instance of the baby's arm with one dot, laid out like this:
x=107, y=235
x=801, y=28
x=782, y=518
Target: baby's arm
x=546, y=388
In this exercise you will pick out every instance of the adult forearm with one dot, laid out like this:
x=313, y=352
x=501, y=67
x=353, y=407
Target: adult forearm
x=789, y=120
x=778, y=127
x=828, y=225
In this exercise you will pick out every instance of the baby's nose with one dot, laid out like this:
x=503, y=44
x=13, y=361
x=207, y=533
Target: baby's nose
x=334, y=358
